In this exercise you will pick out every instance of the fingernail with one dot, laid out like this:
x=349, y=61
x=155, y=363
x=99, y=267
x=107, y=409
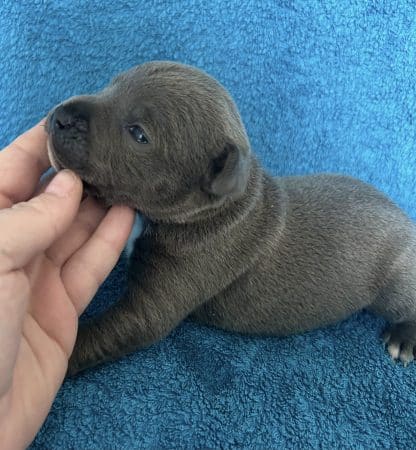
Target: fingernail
x=62, y=184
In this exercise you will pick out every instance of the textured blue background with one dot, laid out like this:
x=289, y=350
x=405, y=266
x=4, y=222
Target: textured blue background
x=322, y=86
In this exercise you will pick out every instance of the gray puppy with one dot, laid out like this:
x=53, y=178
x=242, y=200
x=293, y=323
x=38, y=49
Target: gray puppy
x=224, y=242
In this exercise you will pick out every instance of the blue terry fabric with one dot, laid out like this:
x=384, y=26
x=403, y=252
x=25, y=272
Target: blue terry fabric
x=322, y=86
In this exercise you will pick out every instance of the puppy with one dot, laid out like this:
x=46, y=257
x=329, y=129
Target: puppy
x=224, y=242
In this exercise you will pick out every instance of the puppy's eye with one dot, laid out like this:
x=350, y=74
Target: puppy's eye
x=138, y=134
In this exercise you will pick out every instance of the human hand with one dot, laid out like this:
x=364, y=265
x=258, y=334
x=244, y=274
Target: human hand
x=55, y=251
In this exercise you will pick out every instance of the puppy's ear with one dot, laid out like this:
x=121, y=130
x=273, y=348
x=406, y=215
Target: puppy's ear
x=228, y=173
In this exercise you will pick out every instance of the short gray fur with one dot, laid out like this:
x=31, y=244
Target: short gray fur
x=224, y=242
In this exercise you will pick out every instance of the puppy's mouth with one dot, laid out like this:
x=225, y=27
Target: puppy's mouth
x=51, y=155
x=89, y=189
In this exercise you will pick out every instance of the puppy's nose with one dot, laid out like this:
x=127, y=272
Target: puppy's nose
x=71, y=118
x=69, y=129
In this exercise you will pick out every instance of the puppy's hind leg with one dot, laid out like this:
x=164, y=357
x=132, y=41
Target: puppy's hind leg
x=397, y=303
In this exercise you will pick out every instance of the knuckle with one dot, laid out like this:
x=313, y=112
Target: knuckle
x=18, y=147
x=40, y=210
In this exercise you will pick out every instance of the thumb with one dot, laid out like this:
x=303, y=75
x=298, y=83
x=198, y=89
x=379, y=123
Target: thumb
x=29, y=228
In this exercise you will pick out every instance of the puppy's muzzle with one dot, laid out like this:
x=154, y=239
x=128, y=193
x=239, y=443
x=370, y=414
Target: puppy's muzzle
x=69, y=126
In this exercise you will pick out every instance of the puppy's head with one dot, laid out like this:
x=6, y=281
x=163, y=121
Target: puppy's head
x=163, y=138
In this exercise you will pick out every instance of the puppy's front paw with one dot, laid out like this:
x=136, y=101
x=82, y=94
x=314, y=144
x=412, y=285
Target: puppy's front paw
x=73, y=368
x=400, y=340
x=76, y=362
x=83, y=355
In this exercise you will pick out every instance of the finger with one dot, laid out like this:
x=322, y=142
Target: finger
x=46, y=179
x=87, y=220
x=31, y=227
x=21, y=165
x=89, y=266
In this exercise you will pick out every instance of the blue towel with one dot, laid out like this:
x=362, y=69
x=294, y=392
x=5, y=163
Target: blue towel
x=322, y=86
